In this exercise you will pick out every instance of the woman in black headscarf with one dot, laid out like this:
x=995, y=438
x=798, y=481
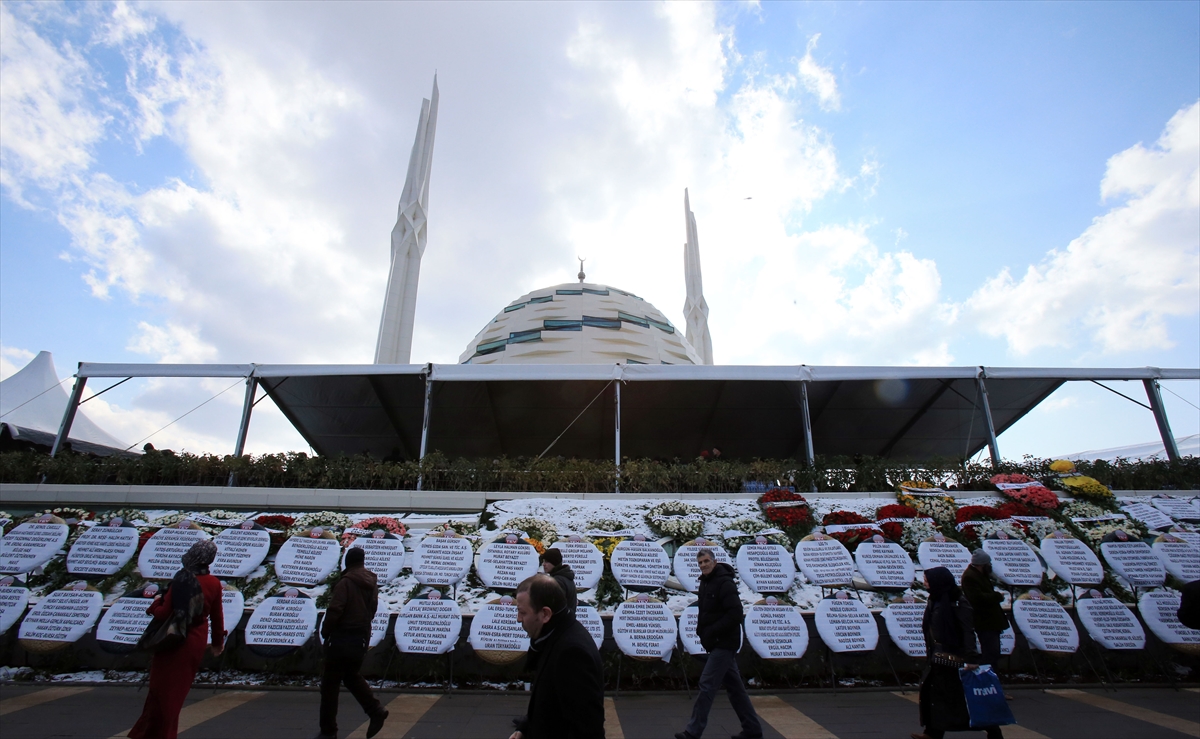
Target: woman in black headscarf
x=949, y=645
x=173, y=670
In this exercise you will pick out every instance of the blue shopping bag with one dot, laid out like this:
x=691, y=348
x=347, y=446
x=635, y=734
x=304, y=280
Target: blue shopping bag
x=985, y=698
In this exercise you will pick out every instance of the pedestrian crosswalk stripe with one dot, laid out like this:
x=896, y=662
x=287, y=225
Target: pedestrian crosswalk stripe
x=1174, y=723
x=1011, y=731
x=787, y=719
x=404, y=711
x=612, y=722
x=8, y=705
x=197, y=713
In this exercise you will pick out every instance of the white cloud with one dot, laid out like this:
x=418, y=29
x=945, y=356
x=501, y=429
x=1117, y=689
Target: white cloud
x=47, y=130
x=12, y=360
x=172, y=343
x=778, y=293
x=1127, y=273
x=819, y=80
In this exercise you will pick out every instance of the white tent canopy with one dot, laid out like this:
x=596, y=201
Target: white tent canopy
x=655, y=411
x=32, y=403
x=1189, y=446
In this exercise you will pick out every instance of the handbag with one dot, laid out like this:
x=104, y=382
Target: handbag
x=985, y=698
x=165, y=634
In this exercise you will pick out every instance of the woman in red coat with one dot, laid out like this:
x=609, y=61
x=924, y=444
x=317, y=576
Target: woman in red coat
x=172, y=671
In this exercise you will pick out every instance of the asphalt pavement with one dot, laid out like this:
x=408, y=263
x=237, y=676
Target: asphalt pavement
x=41, y=711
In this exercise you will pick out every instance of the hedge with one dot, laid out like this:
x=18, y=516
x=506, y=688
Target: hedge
x=558, y=474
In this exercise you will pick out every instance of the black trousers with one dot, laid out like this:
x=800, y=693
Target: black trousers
x=343, y=659
x=989, y=648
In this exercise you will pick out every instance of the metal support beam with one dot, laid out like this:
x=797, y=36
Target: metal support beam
x=809, y=457
x=617, y=438
x=1160, y=417
x=425, y=423
x=993, y=447
x=247, y=407
x=64, y=429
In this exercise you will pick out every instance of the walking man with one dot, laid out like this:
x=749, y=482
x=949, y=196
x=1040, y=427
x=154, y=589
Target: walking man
x=566, y=699
x=552, y=565
x=719, y=629
x=985, y=602
x=346, y=633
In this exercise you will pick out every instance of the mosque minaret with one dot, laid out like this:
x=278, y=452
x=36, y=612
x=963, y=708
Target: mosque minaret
x=408, y=244
x=695, y=309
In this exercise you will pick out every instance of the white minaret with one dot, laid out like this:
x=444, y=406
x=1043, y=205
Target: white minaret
x=695, y=310
x=408, y=244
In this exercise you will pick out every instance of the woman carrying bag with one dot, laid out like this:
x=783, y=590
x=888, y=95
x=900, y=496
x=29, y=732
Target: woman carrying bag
x=193, y=599
x=949, y=646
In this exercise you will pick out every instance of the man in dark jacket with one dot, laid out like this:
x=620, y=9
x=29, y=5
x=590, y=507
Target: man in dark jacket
x=566, y=699
x=346, y=632
x=985, y=603
x=552, y=565
x=720, y=630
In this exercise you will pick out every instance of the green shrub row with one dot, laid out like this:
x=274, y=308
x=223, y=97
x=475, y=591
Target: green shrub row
x=558, y=474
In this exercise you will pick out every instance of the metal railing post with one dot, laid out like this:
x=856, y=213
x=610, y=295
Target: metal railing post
x=64, y=429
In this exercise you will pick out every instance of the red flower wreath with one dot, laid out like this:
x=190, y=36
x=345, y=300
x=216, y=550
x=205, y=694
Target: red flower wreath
x=1035, y=495
x=1011, y=508
x=894, y=529
x=976, y=513
x=842, y=518
x=853, y=537
x=276, y=523
x=785, y=517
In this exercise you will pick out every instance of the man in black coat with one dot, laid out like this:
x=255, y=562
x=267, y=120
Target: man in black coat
x=720, y=630
x=552, y=565
x=347, y=633
x=566, y=700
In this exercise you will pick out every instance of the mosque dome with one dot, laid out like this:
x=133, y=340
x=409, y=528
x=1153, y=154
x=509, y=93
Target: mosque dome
x=579, y=323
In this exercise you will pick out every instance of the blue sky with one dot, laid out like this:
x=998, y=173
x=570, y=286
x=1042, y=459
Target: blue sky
x=993, y=183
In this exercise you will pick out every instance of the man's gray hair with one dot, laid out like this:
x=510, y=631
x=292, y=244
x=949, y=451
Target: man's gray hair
x=705, y=552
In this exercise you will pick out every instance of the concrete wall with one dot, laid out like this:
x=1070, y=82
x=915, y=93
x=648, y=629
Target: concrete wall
x=292, y=499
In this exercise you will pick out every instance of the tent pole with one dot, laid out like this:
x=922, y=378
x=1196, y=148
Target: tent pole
x=809, y=457
x=69, y=415
x=244, y=426
x=1160, y=417
x=425, y=423
x=993, y=447
x=247, y=407
x=617, y=439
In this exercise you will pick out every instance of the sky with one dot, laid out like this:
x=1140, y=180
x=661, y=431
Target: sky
x=998, y=184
